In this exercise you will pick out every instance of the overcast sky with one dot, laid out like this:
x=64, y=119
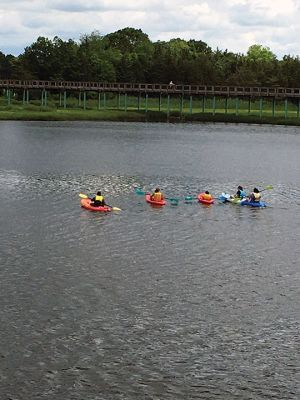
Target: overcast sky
x=225, y=24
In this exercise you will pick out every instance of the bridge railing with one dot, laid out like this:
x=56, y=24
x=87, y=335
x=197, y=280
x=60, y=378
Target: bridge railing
x=216, y=90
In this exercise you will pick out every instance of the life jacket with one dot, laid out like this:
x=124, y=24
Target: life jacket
x=206, y=196
x=157, y=196
x=256, y=196
x=99, y=198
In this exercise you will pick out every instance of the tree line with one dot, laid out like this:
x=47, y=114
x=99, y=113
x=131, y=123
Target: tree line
x=128, y=55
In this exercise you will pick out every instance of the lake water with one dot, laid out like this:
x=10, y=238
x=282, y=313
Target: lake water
x=181, y=302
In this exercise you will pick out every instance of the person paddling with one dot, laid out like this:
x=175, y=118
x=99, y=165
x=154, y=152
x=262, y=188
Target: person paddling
x=157, y=195
x=207, y=196
x=98, y=200
x=240, y=194
x=255, y=196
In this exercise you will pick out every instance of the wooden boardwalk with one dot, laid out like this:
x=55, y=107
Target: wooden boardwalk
x=149, y=88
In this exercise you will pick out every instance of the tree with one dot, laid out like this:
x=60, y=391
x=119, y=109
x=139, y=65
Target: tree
x=257, y=52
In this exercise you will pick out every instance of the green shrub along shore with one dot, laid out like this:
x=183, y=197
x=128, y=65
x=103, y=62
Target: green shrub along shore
x=111, y=109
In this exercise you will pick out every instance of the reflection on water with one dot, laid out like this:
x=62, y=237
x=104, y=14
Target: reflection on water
x=179, y=302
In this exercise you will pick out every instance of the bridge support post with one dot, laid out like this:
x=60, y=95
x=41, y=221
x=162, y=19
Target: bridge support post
x=159, y=102
x=168, y=106
x=146, y=103
x=119, y=101
x=273, y=107
x=24, y=97
x=214, y=105
x=84, y=100
x=104, y=100
x=237, y=106
x=249, y=105
x=125, y=102
x=99, y=101
x=203, y=103
x=139, y=101
x=226, y=105
x=8, y=93
x=298, y=108
x=191, y=105
x=27, y=96
x=65, y=99
x=285, y=108
x=181, y=104
x=260, y=106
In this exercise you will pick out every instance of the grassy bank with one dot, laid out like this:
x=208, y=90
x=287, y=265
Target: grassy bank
x=114, y=111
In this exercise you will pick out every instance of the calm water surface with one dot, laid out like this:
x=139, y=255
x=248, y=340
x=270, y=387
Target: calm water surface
x=184, y=302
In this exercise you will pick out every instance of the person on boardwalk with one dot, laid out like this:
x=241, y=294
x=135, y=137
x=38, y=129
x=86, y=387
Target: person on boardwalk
x=157, y=195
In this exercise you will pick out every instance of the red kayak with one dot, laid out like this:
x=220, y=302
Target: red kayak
x=156, y=203
x=86, y=203
x=202, y=200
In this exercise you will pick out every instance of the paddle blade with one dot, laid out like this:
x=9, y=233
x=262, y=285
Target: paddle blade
x=140, y=191
x=268, y=187
x=83, y=196
x=116, y=209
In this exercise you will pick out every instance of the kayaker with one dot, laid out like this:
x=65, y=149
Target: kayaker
x=240, y=194
x=157, y=195
x=98, y=200
x=255, y=196
x=207, y=196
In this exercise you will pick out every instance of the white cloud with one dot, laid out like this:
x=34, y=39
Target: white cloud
x=226, y=24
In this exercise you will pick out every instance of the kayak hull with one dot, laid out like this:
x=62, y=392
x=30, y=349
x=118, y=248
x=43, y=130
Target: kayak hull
x=253, y=203
x=153, y=202
x=226, y=198
x=86, y=203
x=202, y=200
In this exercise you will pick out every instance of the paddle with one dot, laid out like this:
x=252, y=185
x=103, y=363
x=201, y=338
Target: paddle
x=174, y=201
x=84, y=196
x=267, y=188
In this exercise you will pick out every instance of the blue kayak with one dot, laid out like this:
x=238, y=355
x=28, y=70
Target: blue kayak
x=253, y=203
x=225, y=197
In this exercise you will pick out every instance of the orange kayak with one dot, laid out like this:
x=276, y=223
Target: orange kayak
x=86, y=203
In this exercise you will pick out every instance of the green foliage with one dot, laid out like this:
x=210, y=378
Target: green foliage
x=128, y=55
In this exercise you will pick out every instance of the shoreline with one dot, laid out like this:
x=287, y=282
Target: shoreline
x=22, y=114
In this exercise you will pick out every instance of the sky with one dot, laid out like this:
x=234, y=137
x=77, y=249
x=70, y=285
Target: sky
x=224, y=24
